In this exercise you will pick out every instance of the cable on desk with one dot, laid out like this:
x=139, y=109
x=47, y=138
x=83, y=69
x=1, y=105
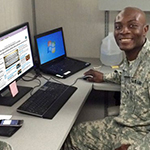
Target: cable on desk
x=70, y=84
x=31, y=79
x=63, y=83
x=56, y=80
x=75, y=81
x=47, y=79
x=36, y=86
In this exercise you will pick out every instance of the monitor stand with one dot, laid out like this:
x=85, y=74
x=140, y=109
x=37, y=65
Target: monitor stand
x=7, y=99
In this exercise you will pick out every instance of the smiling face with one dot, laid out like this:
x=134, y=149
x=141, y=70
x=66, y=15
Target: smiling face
x=130, y=30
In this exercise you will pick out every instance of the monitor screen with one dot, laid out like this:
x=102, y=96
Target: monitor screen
x=16, y=56
x=50, y=45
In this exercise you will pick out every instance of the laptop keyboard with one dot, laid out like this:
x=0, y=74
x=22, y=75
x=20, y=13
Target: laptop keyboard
x=46, y=96
x=65, y=64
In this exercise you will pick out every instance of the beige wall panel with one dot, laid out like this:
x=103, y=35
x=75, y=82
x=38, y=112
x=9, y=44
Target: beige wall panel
x=83, y=24
x=15, y=12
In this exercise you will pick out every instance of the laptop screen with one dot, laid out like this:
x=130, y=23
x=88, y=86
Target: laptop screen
x=50, y=45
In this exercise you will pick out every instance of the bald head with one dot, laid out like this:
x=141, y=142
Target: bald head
x=133, y=12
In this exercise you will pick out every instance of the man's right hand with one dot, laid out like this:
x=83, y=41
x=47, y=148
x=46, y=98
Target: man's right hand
x=97, y=76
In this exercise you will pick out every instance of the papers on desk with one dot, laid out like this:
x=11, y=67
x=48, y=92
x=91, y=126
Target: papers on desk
x=5, y=117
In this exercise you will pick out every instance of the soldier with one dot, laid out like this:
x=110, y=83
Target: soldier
x=130, y=129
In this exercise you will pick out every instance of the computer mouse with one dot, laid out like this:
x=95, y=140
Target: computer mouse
x=87, y=77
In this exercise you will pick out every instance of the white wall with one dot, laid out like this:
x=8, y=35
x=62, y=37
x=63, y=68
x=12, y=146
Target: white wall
x=121, y=4
x=15, y=12
x=82, y=21
x=83, y=24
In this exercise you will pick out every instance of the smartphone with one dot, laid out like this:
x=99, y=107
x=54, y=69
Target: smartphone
x=9, y=127
x=14, y=123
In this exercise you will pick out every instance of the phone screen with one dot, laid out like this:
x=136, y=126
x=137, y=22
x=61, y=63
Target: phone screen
x=9, y=122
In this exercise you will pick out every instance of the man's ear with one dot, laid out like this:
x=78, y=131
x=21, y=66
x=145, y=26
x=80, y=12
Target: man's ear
x=146, y=28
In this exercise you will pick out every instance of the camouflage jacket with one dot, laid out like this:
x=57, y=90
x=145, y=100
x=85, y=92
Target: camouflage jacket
x=5, y=146
x=135, y=90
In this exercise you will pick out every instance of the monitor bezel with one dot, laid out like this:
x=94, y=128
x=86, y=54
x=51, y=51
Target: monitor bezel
x=30, y=42
x=44, y=34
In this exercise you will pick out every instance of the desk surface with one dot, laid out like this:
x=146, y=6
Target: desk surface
x=38, y=133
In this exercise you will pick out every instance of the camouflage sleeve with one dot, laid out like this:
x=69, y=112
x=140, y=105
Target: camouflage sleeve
x=5, y=146
x=114, y=77
x=144, y=145
x=148, y=80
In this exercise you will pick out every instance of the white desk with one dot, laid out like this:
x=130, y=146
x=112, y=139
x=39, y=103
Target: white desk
x=45, y=134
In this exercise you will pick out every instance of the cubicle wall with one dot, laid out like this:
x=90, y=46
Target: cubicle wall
x=111, y=7
x=83, y=24
x=14, y=12
x=114, y=5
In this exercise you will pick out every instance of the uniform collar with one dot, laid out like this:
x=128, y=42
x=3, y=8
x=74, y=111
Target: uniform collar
x=130, y=71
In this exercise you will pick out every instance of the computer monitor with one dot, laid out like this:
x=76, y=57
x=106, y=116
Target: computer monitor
x=16, y=59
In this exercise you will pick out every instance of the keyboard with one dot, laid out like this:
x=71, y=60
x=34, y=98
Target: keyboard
x=67, y=63
x=48, y=100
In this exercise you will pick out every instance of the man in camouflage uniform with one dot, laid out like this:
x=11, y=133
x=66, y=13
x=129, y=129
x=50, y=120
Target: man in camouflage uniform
x=131, y=128
x=4, y=146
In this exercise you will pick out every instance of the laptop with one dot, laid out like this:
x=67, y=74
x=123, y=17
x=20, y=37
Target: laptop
x=52, y=57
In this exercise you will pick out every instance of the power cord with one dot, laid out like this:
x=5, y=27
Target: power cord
x=31, y=79
x=76, y=81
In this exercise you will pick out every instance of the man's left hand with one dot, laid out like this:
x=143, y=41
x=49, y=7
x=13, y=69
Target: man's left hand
x=123, y=147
